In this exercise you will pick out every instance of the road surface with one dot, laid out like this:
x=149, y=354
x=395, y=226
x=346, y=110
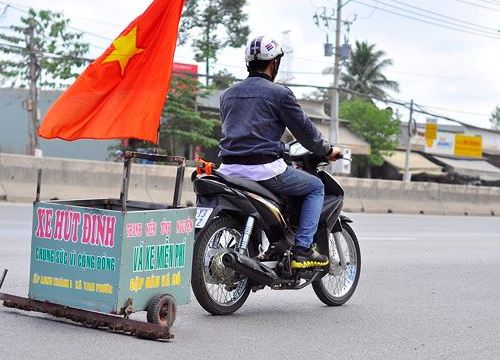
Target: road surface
x=429, y=289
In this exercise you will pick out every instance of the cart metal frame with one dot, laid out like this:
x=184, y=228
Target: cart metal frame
x=103, y=320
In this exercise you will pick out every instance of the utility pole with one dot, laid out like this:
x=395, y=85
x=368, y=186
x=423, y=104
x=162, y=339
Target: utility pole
x=33, y=91
x=334, y=108
x=411, y=132
x=341, y=53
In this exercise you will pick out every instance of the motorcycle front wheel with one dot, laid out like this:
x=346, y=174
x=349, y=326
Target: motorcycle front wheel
x=217, y=289
x=338, y=285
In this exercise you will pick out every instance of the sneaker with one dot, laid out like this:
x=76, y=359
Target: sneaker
x=303, y=259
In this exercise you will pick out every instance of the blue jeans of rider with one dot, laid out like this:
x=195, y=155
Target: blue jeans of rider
x=294, y=182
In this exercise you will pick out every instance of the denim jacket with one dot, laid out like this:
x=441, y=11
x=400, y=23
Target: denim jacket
x=254, y=114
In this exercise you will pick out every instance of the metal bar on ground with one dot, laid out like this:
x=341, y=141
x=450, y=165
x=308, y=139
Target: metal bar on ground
x=89, y=318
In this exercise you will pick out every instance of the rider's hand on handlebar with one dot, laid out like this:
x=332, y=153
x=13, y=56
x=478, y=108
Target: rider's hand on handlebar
x=335, y=154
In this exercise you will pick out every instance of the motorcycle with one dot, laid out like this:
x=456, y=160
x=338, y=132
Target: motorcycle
x=245, y=235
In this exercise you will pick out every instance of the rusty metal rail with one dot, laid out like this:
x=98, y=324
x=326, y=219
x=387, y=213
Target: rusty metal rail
x=88, y=318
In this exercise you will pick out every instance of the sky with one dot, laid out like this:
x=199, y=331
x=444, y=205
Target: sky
x=447, y=59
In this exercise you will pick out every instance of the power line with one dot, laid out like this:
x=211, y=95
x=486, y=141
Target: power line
x=477, y=32
x=341, y=89
x=478, y=5
x=375, y=7
x=444, y=16
x=70, y=27
x=44, y=54
x=494, y=2
x=19, y=8
x=444, y=77
x=454, y=22
x=457, y=111
x=394, y=71
x=90, y=33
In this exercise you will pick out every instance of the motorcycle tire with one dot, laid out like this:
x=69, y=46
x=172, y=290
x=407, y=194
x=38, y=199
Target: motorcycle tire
x=201, y=271
x=328, y=288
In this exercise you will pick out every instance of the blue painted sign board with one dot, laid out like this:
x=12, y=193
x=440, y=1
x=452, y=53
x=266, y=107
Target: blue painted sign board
x=98, y=259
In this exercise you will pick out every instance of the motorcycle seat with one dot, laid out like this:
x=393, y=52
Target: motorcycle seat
x=250, y=185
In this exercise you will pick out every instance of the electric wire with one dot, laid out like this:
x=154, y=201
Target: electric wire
x=397, y=102
x=489, y=29
x=474, y=28
x=297, y=58
x=70, y=27
x=493, y=2
x=375, y=7
x=405, y=104
x=478, y=5
x=476, y=32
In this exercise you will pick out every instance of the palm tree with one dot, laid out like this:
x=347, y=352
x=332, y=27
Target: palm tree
x=364, y=73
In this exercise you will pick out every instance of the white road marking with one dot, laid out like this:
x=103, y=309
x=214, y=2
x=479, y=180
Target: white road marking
x=388, y=238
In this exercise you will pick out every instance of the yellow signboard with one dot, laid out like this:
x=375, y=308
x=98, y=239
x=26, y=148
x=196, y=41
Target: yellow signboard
x=469, y=146
x=430, y=132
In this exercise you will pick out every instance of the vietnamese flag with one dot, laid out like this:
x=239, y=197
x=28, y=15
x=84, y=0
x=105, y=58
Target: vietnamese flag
x=121, y=94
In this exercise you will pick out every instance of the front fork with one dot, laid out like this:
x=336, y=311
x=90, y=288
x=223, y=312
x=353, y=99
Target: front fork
x=339, y=250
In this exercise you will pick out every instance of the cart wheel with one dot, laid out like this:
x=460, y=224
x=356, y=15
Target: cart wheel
x=162, y=310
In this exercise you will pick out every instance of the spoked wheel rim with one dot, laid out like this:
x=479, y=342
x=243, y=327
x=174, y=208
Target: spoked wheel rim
x=217, y=289
x=339, y=281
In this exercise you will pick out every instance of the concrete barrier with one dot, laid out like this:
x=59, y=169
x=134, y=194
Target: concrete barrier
x=77, y=179
x=386, y=196
x=80, y=179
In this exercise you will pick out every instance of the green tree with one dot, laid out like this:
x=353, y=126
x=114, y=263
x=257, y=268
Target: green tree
x=213, y=25
x=378, y=127
x=58, y=52
x=222, y=80
x=182, y=126
x=364, y=72
x=495, y=118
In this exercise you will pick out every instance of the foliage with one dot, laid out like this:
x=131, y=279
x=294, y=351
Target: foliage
x=324, y=95
x=217, y=24
x=495, y=118
x=222, y=80
x=57, y=50
x=378, y=127
x=364, y=72
x=363, y=75
x=181, y=124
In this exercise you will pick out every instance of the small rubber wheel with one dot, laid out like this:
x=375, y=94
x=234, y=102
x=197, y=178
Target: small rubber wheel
x=162, y=310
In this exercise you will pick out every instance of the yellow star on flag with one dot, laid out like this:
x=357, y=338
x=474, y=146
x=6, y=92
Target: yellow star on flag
x=125, y=48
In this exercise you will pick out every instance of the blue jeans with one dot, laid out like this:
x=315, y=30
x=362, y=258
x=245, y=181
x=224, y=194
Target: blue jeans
x=294, y=182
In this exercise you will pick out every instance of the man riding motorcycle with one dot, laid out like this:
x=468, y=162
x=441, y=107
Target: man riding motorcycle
x=254, y=114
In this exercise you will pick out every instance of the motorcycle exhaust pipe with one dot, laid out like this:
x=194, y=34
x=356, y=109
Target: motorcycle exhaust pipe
x=249, y=267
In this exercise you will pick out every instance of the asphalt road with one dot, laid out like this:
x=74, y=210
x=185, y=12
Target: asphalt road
x=429, y=289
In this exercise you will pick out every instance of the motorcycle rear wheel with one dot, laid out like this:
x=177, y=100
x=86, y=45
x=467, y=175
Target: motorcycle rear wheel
x=338, y=285
x=210, y=291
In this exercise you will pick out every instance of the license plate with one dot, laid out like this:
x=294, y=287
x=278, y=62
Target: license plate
x=202, y=216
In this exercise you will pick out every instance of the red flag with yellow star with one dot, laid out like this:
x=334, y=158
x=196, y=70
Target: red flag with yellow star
x=121, y=94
